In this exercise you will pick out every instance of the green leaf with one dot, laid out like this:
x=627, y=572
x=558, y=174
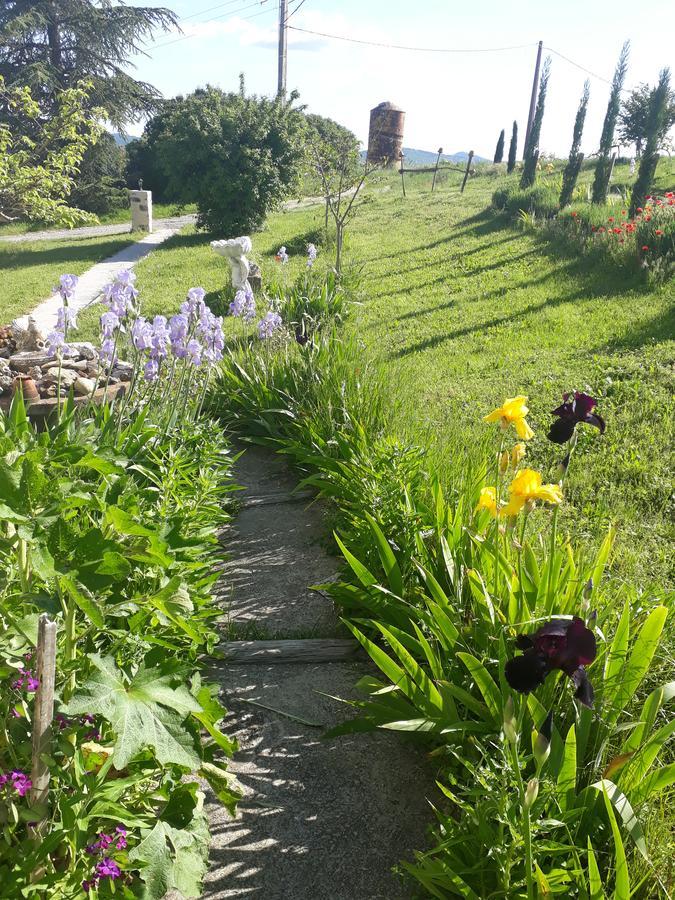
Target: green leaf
x=147, y=712
x=640, y=659
x=594, y=878
x=223, y=784
x=486, y=684
x=567, y=776
x=654, y=782
x=81, y=596
x=366, y=578
x=114, y=564
x=387, y=558
x=124, y=522
x=652, y=704
x=416, y=672
x=622, y=878
x=625, y=810
x=617, y=655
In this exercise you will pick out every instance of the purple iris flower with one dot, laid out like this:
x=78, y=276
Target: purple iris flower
x=160, y=338
x=238, y=304
x=66, y=318
x=249, y=305
x=268, y=325
x=109, y=322
x=66, y=286
x=312, y=253
x=570, y=413
x=56, y=343
x=126, y=277
x=565, y=644
x=107, y=351
x=194, y=349
x=178, y=332
x=141, y=334
x=151, y=370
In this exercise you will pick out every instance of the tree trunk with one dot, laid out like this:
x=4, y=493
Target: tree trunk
x=338, y=246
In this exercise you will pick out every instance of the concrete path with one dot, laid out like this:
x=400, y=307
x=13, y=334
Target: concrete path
x=91, y=284
x=59, y=234
x=320, y=818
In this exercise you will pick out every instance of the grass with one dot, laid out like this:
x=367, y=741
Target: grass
x=31, y=269
x=463, y=310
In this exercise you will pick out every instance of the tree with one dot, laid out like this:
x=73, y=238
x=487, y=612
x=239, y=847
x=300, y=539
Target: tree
x=531, y=152
x=99, y=185
x=634, y=115
x=602, y=168
x=143, y=160
x=573, y=166
x=499, y=150
x=236, y=157
x=513, y=149
x=50, y=45
x=658, y=112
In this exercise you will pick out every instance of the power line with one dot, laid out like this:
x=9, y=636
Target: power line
x=341, y=37
x=209, y=9
x=233, y=15
x=293, y=12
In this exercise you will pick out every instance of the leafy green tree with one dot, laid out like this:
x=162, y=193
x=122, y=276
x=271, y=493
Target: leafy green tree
x=531, y=153
x=37, y=173
x=236, y=157
x=634, y=116
x=99, y=185
x=50, y=45
x=513, y=149
x=143, y=161
x=576, y=158
x=499, y=149
x=602, y=169
x=658, y=112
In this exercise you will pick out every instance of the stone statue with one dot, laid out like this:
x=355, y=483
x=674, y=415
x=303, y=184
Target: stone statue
x=27, y=337
x=235, y=251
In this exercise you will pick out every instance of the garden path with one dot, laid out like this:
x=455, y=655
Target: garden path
x=320, y=818
x=88, y=231
x=91, y=283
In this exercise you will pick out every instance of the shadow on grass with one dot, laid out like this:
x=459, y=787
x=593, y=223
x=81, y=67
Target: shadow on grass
x=69, y=251
x=655, y=330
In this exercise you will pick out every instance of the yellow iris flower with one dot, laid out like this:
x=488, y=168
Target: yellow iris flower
x=518, y=453
x=513, y=412
x=526, y=487
x=488, y=500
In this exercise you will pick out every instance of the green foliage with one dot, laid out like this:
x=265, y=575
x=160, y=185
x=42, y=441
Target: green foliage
x=634, y=118
x=513, y=149
x=658, y=114
x=236, y=157
x=37, y=172
x=499, y=149
x=576, y=157
x=143, y=160
x=601, y=180
x=531, y=151
x=50, y=44
x=99, y=186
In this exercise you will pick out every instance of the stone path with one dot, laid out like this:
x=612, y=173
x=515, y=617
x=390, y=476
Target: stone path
x=320, y=818
x=175, y=223
x=91, y=284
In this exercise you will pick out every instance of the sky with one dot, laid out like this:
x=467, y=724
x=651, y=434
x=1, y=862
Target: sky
x=455, y=100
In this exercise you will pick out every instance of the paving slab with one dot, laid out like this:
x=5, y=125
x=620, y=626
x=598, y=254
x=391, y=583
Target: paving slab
x=320, y=818
x=275, y=555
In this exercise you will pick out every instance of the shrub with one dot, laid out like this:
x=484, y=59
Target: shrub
x=235, y=156
x=99, y=185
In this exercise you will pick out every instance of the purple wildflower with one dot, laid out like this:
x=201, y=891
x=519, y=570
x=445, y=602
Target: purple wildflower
x=311, y=255
x=56, y=343
x=108, y=868
x=194, y=349
x=151, y=370
x=66, y=286
x=107, y=351
x=268, y=325
x=141, y=334
x=238, y=304
x=66, y=318
x=21, y=783
x=3, y=779
x=109, y=322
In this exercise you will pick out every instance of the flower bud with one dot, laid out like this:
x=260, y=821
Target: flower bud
x=517, y=453
x=541, y=750
x=503, y=462
x=510, y=723
x=531, y=792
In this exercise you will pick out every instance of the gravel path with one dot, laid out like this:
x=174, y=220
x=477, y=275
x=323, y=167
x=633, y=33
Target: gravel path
x=175, y=223
x=320, y=818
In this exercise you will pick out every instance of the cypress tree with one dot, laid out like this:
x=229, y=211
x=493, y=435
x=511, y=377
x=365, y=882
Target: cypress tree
x=573, y=166
x=658, y=110
x=531, y=153
x=499, y=151
x=513, y=149
x=602, y=169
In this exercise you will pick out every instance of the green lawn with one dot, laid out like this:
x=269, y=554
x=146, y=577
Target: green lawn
x=118, y=216
x=29, y=270
x=465, y=310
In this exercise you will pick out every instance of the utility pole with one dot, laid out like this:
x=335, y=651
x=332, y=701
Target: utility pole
x=283, y=47
x=533, y=98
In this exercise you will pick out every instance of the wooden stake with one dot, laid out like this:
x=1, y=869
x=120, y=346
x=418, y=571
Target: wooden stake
x=402, y=176
x=438, y=159
x=468, y=169
x=43, y=711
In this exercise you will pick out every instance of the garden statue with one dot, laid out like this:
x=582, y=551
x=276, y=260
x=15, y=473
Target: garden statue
x=28, y=336
x=235, y=251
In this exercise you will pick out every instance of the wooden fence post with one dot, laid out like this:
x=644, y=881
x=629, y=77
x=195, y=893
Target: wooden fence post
x=468, y=169
x=400, y=156
x=438, y=159
x=43, y=711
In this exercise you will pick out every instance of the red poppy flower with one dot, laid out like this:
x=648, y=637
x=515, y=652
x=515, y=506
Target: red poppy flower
x=645, y=248
x=658, y=231
x=611, y=219
x=639, y=209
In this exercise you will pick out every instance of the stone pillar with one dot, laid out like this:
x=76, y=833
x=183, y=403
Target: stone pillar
x=141, y=210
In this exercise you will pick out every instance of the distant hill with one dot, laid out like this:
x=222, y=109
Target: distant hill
x=428, y=157
x=122, y=139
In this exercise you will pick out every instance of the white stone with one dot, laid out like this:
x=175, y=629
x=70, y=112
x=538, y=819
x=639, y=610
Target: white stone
x=83, y=386
x=141, y=210
x=235, y=251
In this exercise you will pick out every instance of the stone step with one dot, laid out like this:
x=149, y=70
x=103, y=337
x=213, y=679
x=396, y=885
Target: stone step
x=307, y=650
x=280, y=497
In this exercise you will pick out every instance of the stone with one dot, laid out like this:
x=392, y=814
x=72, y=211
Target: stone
x=68, y=376
x=83, y=386
x=83, y=349
x=255, y=278
x=235, y=251
x=35, y=372
x=141, y=210
x=28, y=337
x=5, y=383
x=25, y=360
x=70, y=363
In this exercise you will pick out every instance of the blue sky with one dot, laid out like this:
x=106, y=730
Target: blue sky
x=456, y=100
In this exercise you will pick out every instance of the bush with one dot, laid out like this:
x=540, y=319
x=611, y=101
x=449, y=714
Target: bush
x=99, y=186
x=540, y=201
x=236, y=157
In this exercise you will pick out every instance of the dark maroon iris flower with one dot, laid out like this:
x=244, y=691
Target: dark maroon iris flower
x=570, y=413
x=564, y=644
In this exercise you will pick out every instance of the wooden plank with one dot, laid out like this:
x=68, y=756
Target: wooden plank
x=309, y=650
x=278, y=498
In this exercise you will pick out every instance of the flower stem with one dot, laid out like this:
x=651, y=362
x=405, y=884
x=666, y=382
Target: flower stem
x=527, y=831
